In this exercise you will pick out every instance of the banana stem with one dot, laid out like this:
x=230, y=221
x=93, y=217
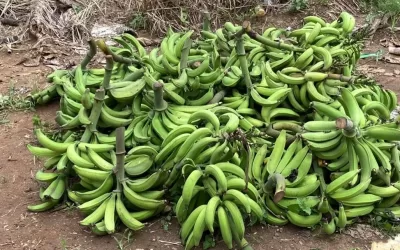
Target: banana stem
x=246, y=148
x=108, y=71
x=185, y=54
x=290, y=141
x=342, y=78
x=159, y=103
x=218, y=97
x=243, y=61
x=322, y=163
x=245, y=28
x=66, y=135
x=206, y=21
x=120, y=153
x=137, y=74
x=94, y=115
x=287, y=126
x=118, y=58
x=91, y=53
x=319, y=171
x=271, y=43
x=344, y=123
x=270, y=131
x=275, y=184
x=243, y=142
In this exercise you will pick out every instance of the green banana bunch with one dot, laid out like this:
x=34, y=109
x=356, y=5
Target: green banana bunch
x=52, y=194
x=241, y=127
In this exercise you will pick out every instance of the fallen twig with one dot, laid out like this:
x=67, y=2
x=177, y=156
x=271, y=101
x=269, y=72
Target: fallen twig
x=170, y=243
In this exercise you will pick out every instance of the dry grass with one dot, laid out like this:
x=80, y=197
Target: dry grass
x=352, y=6
x=14, y=8
x=183, y=14
x=48, y=17
x=45, y=17
x=72, y=23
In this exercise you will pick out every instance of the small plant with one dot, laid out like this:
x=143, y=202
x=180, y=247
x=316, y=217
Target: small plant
x=389, y=227
x=3, y=119
x=297, y=5
x=165, y=222
x=125, y=239
x=64, y=244
x=209, y=242
x=14, y=101
x=53, y=132
x=138, y=21
x=184, y=16
x=77, y=8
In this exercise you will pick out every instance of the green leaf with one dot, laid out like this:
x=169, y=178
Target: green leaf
x=387, y=226
x=303, y=206
x=165, y=224
x=253, y=219
x=184, y=16
x=37, y=122
x=209, y=242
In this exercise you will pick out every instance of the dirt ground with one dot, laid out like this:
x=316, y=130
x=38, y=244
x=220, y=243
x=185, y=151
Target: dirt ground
x=20, y=229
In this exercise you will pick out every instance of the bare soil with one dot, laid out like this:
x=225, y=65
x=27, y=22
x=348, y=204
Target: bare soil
x=20, y=229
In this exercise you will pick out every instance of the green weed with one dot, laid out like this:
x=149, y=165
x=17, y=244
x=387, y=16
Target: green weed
x=297, y=5
x=124, y=239
x=138, y=21
x=13, y=100
x=389, y=227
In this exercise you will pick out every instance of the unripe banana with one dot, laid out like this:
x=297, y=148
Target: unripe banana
x=236, y=216
x=225, y=227
x=358, y=211
x=342, y=218
x=341, y=181
x=329, y=227
x=361, y=200
x=304, y=221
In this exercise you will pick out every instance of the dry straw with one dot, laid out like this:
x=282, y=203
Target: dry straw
x=60, y=19
x=184, y=14
x=51, y=18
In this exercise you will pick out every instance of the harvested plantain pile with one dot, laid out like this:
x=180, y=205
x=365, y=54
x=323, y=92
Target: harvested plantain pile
x=230, y=129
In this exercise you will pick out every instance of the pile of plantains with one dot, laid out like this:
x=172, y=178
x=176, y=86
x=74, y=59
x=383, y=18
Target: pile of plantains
x=230, y=129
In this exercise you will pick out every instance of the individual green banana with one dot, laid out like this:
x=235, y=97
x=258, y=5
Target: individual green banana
x=343, y=194
x=304, y=221
x=361, y=200
x=341, y=181
x=234, y=213
x=224, y=226
x=277, y=153
x=206, y=115
x=125, y=216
